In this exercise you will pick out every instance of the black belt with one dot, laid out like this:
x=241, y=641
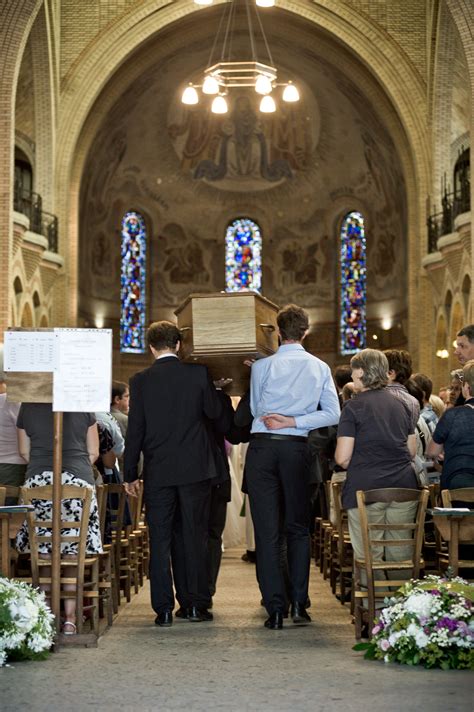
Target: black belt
x=276, y=436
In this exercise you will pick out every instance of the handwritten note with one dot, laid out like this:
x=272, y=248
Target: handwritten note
x=29, y=351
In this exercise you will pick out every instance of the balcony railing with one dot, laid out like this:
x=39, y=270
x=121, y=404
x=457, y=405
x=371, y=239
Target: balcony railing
x=41, y=222
x=442, y=223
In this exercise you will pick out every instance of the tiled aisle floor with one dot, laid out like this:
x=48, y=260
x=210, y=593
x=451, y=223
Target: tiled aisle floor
x=231, y=664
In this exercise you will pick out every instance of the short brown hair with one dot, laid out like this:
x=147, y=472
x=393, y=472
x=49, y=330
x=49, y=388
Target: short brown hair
x=375, y=366
x=163, y=335
x=342, y=375
x=119, y=388
x=468, y=373
x=293, y=322
x=468, y=332
x=425, y=383
x=401, y=363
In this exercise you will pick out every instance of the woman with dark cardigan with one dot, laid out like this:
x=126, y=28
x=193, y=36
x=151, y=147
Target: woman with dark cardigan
x=454, y=435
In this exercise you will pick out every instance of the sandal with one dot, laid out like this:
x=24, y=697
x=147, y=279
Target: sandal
x=71, y=628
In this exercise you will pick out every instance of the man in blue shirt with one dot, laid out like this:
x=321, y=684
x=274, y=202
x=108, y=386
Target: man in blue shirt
x=292, y=392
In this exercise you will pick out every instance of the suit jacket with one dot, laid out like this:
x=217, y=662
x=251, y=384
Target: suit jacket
x=169, y=404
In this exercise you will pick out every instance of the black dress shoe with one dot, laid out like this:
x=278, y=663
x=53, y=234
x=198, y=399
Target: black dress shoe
x=197, y=615
x=274, y=621
x=181, y=613
x=164, y=619
x=299, y=614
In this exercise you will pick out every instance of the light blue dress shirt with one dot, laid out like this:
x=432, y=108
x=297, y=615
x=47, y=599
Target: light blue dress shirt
x=293, y=382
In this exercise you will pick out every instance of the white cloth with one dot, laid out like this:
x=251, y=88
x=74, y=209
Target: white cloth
x=234, y=531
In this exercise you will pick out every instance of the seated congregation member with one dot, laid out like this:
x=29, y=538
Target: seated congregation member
x=291, y=393
x=427, y=412
x=454, y=436
x=80, y=451
x=376, y=444
x=464, y=351
x=120, y=404
x=169, y=404
x=12, y=465
x=399, y=371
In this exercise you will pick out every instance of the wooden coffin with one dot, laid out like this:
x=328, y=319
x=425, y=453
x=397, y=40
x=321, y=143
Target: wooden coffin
x=222, y=330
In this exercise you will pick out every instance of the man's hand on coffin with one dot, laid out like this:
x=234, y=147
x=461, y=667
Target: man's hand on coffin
x=222, y=383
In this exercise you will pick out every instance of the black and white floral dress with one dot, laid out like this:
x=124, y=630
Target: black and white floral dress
x=71, y=510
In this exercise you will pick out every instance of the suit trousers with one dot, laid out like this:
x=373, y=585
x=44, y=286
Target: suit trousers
x=216, y=524
x=190, y=504
x=277, y=475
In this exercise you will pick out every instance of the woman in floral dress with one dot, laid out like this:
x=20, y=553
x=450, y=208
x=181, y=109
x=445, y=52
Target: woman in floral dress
x=80, y=450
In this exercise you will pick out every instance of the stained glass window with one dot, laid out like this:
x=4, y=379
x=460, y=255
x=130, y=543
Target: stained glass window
x=243, y=256
x=353, y=284
x=133, y=284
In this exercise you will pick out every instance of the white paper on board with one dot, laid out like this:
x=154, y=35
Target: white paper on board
x=29, y=351
x=83, y=374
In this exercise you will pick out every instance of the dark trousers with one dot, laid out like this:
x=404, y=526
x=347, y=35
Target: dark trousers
x=216, y=524
x=192, y=503
x=277, y=479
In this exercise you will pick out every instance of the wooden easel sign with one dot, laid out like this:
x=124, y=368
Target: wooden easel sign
x=72, y=369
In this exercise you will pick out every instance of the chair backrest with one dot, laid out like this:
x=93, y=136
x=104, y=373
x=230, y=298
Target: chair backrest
x=30, y=495
x=340, y=515
x=466, y=494
x=414, y=530
x=3, y=494
x=101, y=494
x=136, y=506
x=116, y=499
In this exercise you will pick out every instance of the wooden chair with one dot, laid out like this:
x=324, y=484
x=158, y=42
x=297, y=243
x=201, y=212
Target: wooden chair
x=107, y=581
x=377, y=588
x=464, y=534
x=342, y=554
x=123, y=571
x=86, y=577
x=328, y=530
x=137, y=537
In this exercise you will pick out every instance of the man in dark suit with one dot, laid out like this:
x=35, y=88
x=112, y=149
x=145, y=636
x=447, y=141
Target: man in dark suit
x=169, y=403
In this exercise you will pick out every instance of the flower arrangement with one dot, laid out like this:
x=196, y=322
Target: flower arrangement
x=428, y=622
x=26, y=622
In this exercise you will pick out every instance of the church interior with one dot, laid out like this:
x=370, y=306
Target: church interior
x=98, y=151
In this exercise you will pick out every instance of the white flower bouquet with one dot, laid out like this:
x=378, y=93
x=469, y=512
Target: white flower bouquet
x=428, y=622
x=26, y=622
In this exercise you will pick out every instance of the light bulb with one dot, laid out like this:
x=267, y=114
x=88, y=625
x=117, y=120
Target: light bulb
x=210, y=86
x=263, y=85
x=190, y=95
x=265, y=3
x=290, y=93
x=267, y=105
x=219, y=105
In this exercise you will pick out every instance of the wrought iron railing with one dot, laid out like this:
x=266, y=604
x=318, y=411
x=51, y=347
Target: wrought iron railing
x=41, y=222
x=442, y=223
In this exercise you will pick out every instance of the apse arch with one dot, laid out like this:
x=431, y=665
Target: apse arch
x=371, y=47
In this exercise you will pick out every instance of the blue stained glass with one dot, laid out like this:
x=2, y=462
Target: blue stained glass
x=353, y=330
x=133, y=284
x=243, y=256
